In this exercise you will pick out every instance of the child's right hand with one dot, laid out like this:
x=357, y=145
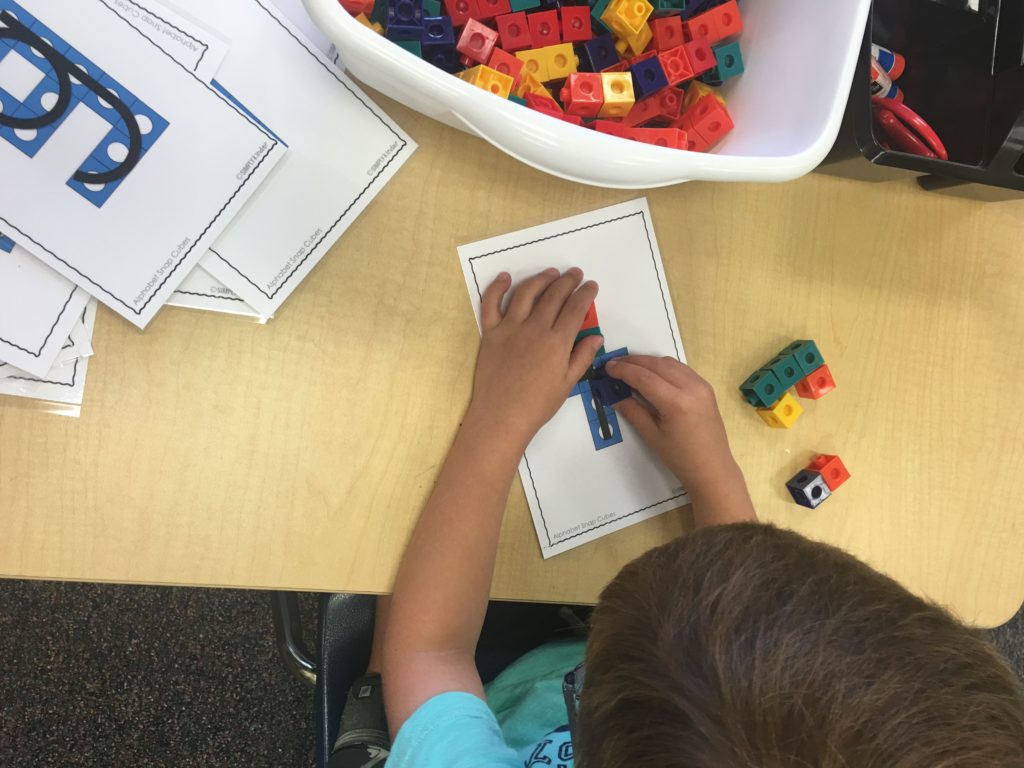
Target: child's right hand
x=683, y=426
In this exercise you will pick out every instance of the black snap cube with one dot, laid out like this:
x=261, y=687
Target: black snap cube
x=808, y=488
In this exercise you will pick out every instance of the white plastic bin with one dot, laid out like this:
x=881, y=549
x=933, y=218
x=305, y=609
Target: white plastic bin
x=799, y=57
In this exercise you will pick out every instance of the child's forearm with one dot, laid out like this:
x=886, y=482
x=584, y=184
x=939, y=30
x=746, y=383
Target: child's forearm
x=443, y=584
x=721, y=496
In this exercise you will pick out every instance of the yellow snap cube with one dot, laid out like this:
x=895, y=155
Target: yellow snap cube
x=618, y=94
x=375, y=26
x=561, y=61
x=490, y=80
x=527, y=83
x=698, y=91
x=626, y=17
x=535, y=62
x=783, y=414
x=638, y=42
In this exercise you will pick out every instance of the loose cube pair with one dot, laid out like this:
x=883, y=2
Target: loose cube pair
x=818, y=480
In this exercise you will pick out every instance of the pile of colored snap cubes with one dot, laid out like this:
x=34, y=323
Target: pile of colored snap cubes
x=643, y=72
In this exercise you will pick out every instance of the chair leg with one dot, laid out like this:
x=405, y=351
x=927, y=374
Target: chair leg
x=290, y=643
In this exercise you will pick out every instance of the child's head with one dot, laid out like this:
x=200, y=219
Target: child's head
x=748, y=646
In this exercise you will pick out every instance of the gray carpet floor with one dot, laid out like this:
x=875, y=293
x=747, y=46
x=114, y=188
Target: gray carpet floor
x=96, y=675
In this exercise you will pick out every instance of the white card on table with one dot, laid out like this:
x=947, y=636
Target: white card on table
x=38, y=310
x=342, y=150
x=201, y=290
x=200, y=51
x=121, y=194
x=578, y=492
x=63, y=383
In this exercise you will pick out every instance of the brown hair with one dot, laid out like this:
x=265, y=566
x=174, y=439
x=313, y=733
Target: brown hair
x=746, y=646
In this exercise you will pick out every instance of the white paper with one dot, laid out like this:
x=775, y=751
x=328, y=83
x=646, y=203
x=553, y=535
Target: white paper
x=342, y=150
x=577, y=493
x=201, y=290
x=295, y=12
x=81, y=334
x=200, y=51
x=38, y=309
x=63, y=383
x=131, y=241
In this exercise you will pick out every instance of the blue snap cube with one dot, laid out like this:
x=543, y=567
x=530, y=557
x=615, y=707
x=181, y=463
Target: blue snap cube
x=599, y=53
x=406, y=12
x=648, y=78
x=437, y=30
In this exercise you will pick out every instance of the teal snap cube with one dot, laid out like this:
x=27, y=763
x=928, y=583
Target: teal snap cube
x=786, y=370
x=807, y=355
x=762, y=389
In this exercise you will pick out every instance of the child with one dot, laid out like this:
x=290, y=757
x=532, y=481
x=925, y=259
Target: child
x=737, y=645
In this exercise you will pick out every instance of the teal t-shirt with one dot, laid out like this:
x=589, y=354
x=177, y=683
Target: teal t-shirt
x=523, y=724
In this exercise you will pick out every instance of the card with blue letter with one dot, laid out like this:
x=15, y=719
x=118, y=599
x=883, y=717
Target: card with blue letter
x=120, y=166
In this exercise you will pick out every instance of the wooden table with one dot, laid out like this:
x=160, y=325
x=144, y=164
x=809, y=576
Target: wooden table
x=296, y=455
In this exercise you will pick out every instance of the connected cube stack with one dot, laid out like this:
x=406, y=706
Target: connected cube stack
x=817, y=481
x=799, y=365
x=626, y=68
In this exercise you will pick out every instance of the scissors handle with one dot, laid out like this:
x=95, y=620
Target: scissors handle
x=904, y=114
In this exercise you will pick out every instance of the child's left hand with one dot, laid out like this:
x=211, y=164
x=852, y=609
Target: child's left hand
x=528, y=364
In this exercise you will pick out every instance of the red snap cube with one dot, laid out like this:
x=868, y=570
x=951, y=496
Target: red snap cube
x=461, y=11
x=668, y=32
x=542, y=103
x=832, y=470
x=676, y=64
x=701, y=57
x=544, y=28
x=701, y=27
x=817, y=384
x=642, y=112
x=610, y=127
x=488, y=9
x=506, y=63
x=642, y=57
x=514, y=31
x=694, y=143
x=583, y=94
x=708, y=119
x=672, y=138
x=576, y=24
x=670, y=103
x=355, y=7
x=477, y=41
x=727, y=20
